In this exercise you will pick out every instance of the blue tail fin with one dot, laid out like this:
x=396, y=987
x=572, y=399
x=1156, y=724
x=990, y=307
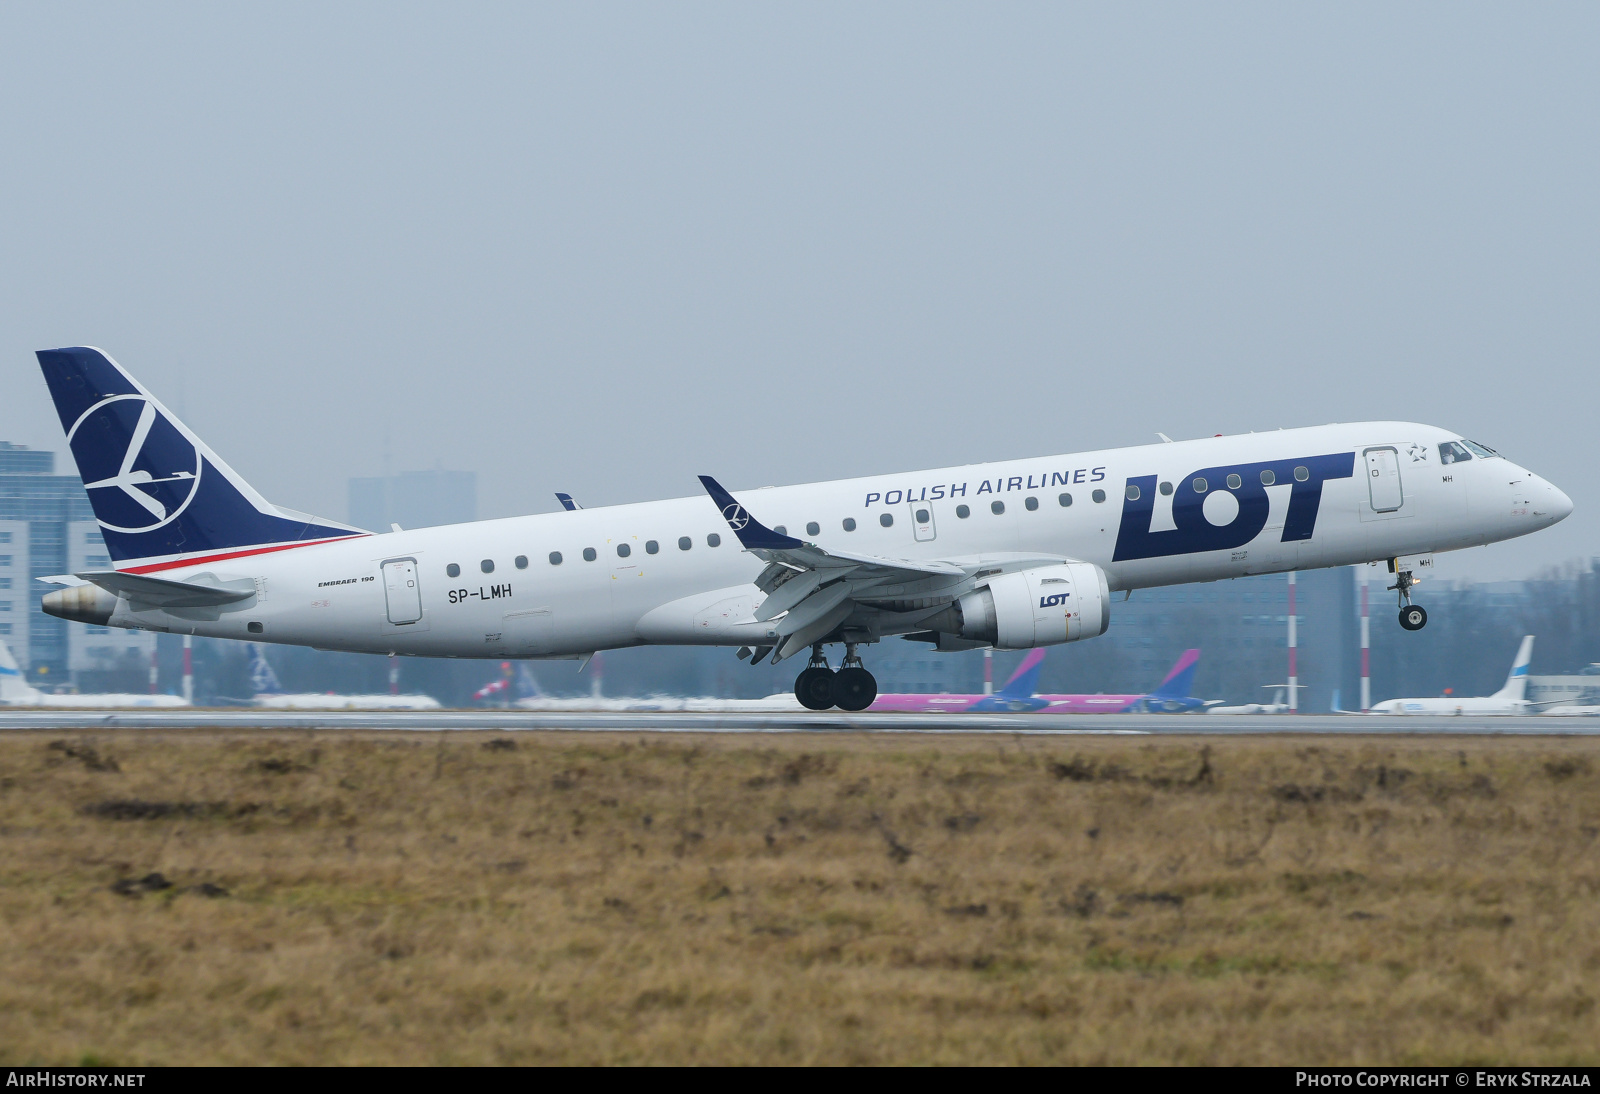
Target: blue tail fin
x=160, y=494
x=263, y=681
x=1025, y=681
x=1179, y=683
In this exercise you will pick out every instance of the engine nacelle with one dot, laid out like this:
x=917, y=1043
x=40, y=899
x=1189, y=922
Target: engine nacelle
x=1029, y=608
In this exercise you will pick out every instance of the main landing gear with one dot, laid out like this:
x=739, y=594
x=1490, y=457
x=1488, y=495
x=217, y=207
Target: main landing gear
x=818, y=687
x=1413, y=617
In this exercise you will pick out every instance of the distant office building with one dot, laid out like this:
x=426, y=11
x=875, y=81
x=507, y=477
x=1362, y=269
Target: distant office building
x=414, y=499
x=1579, y=690
x=47, y=528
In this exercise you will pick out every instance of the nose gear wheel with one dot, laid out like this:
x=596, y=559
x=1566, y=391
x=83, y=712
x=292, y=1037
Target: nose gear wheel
x=1413, y=617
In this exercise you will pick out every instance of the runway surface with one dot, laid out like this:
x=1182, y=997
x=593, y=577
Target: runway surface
x=831, y=722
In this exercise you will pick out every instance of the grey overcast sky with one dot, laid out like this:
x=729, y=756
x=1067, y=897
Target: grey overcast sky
x=603, y=248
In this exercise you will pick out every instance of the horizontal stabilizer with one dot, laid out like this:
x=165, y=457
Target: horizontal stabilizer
x=203, y=591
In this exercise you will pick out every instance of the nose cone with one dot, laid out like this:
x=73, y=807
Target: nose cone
x=1557, y=505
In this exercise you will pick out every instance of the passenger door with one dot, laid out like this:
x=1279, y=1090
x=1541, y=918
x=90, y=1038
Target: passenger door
x=1383, y=479
x=401, y=590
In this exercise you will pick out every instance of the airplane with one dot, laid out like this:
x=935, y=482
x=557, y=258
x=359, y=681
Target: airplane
x=1278, y=705
x=1019, y=694
x=1010, y=555
x=1510, y=699
x=269, y=694
x=16, y=692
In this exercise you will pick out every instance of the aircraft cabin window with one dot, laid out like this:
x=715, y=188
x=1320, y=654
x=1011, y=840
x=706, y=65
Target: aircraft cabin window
x=1267, y=477
x=651, y=546
x=1201, y=486
x=1301, y=474
x=1133, y=492
x=1098, y=496
x=781, y=529
x=886, y=519
x=623, y=550
x=522, y=562
x=589, y=554
x=254, y=628
x=1451, y=452
x=1065, y=500
x=963, y=512
x=997, y=507
x=849, y=524
x=453, y=570
x=923, y=516
x=713, y=540
x=1234, y=482
x=487, y=565
x=684, y=543
x=1166, y=489
x=1031, y=504
x=555, y=558
x=813, y=529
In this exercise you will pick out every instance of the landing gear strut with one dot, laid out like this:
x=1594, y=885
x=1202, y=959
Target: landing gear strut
x=1413, y=617
x=818, y=687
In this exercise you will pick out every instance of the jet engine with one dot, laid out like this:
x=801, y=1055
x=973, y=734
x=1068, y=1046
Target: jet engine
x=1041, y=607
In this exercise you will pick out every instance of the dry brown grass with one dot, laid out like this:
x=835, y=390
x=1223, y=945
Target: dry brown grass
x=469, y=898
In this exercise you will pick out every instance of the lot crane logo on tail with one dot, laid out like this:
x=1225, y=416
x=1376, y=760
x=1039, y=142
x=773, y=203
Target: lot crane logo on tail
x=156, y=474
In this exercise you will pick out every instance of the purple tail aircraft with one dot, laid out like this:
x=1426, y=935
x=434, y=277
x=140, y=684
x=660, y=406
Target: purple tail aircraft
x=1171, y=697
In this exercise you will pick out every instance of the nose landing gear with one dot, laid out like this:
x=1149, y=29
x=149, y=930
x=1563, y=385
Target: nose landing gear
x=818, y=687
x=1413, y=617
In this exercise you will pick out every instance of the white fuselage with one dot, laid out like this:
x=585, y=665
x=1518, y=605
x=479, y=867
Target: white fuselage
x=1492, y=704
x=338, y=595
x=94, y=701
x=315, y=701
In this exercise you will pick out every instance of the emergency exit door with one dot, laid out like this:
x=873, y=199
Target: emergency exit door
x=400, y=587
x=922, y=521
x=1383, y=480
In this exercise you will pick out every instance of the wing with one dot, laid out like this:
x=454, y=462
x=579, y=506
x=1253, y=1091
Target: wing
x=817, y=590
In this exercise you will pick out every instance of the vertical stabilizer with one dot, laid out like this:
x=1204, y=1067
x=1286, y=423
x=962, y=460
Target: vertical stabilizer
x=1516, y=689
x=1179, y=683
x=160, y=494
x=1025, y=681
x=13, y=687
x=263, y=681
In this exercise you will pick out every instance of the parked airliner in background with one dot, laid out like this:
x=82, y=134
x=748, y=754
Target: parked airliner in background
x=1020, y=694
x=1011, y=555
x=15, y=692
x=1016, y=696
x=269, y=694
x=1278, y=705
x=1510, y=699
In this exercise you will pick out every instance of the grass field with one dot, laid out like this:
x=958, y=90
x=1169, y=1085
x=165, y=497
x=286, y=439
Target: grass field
x=237, y=897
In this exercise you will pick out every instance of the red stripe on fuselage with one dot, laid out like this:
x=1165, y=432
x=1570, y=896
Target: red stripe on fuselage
x=201, y=559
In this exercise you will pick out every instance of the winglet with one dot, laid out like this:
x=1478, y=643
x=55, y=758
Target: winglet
x=751, y=532
x=567, y=503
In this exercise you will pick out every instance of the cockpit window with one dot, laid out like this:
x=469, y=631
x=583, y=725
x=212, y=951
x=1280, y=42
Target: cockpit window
x=1451, y=452
x=1482, y=451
